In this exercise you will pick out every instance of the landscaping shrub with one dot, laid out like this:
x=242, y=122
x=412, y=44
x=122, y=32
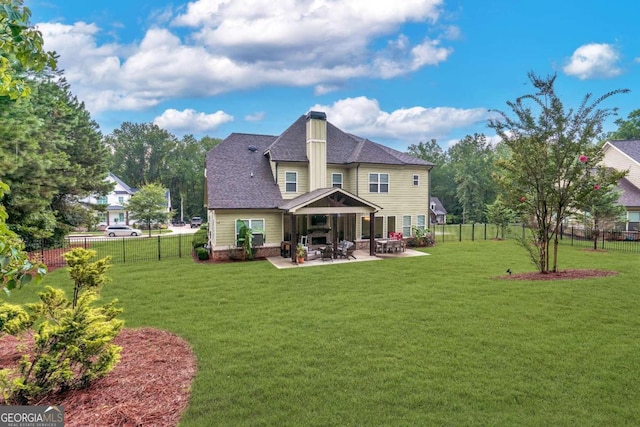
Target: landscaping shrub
x=72, y=342
x=199, y=238
x=202, y=253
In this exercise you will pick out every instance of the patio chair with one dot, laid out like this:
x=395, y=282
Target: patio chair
x=346, y=249
x=327, y=253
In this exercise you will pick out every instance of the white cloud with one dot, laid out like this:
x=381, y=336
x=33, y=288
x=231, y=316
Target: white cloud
x=363, y=116
x=593, y=60
x=255, y=117
x=191, y=121
x=225, y=45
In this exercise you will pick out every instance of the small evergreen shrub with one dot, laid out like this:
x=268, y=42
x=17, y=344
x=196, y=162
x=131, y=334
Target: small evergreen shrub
x=202, y=253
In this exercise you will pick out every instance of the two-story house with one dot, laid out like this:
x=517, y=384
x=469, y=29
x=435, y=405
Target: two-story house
x=114, y=202
x=313, y=182
x=625, y=155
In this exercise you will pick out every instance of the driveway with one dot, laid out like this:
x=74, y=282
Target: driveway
x=183, y=229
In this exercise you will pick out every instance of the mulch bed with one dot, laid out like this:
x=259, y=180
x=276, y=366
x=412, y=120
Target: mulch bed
x=150, y=386
x=560, y=275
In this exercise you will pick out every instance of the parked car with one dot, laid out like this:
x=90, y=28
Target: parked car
x=121, y=230
x=196, y=221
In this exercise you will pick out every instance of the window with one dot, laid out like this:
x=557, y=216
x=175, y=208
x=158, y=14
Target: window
x=257, y=229
x=391, y=225
x=291, y=182
x=634, y=221
x=377, y=232
x=378, y=182
x=102, y=217
x=336, y=180
x=121, y=199
x=421, y=222
x=406, y=225
x=416, y=179
x=121, y=217
x=102, y=200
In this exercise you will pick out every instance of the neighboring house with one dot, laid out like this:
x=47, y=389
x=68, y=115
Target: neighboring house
x=312, y=183
x=625, y=155
x=438, y=212
x=114, y=202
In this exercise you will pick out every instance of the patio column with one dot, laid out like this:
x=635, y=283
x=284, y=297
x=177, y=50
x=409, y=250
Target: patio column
x=372, y=231
x=294, y=238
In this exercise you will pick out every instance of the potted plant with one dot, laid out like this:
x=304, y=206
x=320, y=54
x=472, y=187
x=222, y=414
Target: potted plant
x=300, y=253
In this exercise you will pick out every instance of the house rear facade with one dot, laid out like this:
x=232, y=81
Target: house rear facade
x=625, y=155
x=313, y=182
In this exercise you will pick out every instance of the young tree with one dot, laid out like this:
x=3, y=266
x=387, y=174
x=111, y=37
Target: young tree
x=149, y=205
x=500, y=214
x=551, y=148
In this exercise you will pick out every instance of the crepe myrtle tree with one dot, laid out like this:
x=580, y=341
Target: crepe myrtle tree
x=149, y=205
x=551, y=149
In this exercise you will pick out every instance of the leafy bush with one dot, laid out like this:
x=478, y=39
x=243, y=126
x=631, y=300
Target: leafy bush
x=199, y=239
x=202, y=253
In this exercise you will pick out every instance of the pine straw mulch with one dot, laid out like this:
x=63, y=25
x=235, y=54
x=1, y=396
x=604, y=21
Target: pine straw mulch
x=560, y=275
x=150, y=386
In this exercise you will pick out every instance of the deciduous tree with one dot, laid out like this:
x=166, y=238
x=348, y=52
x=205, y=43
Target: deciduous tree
x=551, y=148
x=149, y=205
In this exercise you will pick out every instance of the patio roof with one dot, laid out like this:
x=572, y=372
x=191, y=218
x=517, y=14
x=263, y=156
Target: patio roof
x=328, y=201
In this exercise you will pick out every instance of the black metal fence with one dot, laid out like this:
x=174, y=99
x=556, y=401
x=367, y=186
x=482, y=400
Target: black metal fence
x=623, y=241
x=122, y=250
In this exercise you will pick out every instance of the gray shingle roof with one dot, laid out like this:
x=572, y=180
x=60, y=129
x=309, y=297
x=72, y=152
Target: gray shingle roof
x=439, y=210
x=130, y=190
x=230, y=163
x=631, y=147
x=230, y=166
x=630, y=194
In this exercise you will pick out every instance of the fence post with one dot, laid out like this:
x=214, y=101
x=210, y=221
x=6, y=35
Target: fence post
x=523, y=236
x=572, y=235
x=603, y=239
x=180, y=246
x=442, y=232
x=460, y=233
x=473, y=231
x=485, y=231
x=159, y=256
x=124, y=252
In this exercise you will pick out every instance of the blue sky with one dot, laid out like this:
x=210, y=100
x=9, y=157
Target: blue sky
x=396, y=72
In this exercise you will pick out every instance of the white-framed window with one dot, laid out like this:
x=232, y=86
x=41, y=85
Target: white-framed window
x=633, y=220
x=257, y=226
x=336, y=180
x=121, y=217
x=102, y=200
x=290, y=182
x=406, y=225
x=416, y=180
x=102, y=217
x=378, y=182
x=421, y=222
x=121, y=199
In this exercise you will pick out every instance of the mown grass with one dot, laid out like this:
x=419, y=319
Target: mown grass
x=436, y=340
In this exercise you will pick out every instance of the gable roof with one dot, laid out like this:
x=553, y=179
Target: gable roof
x=321, y=193
x=121, y=183
x=342, y=148
x=239, y=175
x=439, y=207
x=629, y=194
x=630, y=147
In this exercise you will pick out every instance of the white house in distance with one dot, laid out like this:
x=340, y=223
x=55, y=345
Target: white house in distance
x=625, y=155
x=115, y=202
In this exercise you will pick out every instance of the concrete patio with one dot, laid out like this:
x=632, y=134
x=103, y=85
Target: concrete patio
x=361, y=255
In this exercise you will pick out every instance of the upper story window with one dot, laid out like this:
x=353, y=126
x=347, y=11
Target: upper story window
x=416, y=179
x=121, y=199
x=102, y=200
x=378, y=182
x=336, y=180
x=291, y=182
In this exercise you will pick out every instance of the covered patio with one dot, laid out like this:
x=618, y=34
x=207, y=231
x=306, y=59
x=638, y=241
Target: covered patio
x=360, y=256
x=325, y=217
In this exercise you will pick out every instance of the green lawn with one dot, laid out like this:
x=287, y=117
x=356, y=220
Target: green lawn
x=434, y=340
